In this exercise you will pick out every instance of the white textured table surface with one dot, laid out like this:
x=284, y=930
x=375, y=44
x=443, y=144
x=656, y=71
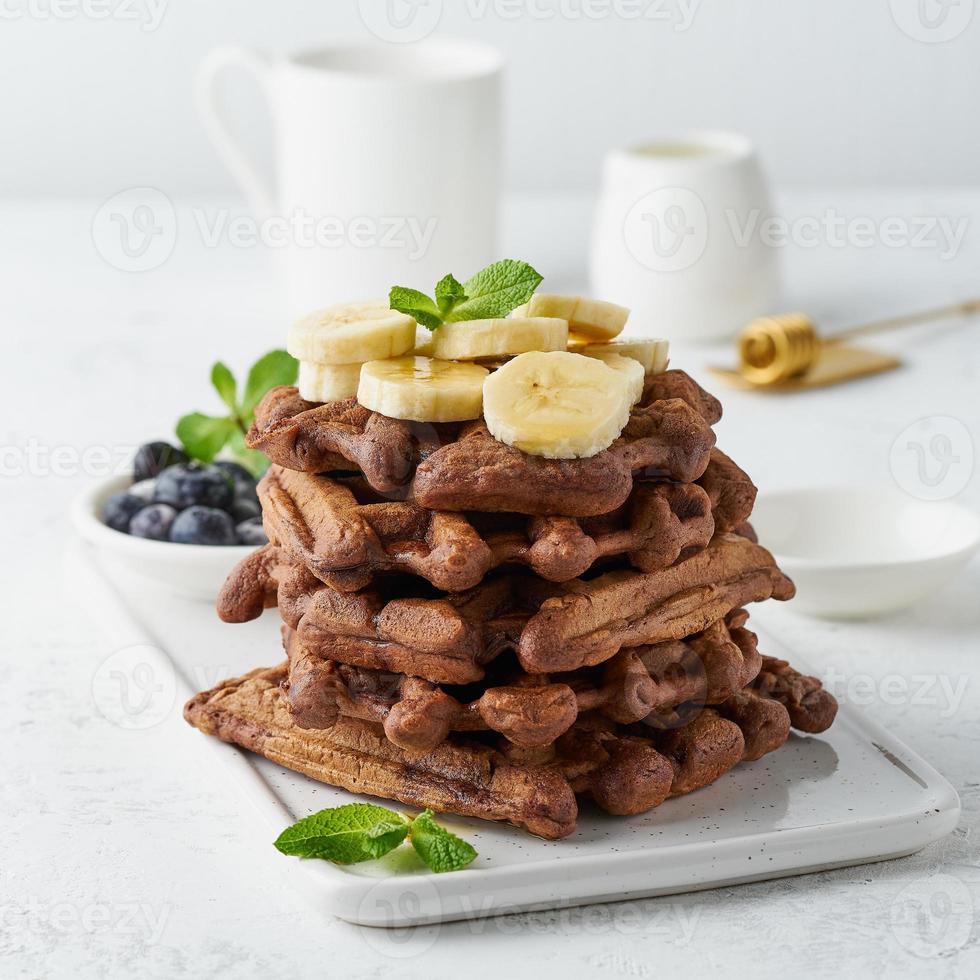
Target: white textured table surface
x=124, y=854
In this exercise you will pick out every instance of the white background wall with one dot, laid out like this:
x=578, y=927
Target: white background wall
x=834, y=91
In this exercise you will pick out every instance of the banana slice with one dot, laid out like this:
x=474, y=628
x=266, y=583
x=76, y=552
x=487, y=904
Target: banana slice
x=424, y=343
x=558, y=404
x=351, y=333
x=652, y=354
x=327, y=382
x=422, y=389
x=590, y=318
x=630, y=369
x=469, y=340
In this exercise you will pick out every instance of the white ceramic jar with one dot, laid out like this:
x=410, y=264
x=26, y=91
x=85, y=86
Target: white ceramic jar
x=679, y=236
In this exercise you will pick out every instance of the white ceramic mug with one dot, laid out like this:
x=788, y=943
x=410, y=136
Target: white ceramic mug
x=386, y=159
x=677, y=236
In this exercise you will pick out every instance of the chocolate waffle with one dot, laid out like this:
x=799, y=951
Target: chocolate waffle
x=591, y=620
x=527, y=710
x=624, y=770
x=345, y=532
x=463, y=468
x=449, y=638
x=472, y=780
x=810, y=707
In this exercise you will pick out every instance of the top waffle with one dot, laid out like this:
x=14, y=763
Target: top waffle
x=462, y=467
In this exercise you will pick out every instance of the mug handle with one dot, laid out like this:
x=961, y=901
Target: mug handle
x=258, y=66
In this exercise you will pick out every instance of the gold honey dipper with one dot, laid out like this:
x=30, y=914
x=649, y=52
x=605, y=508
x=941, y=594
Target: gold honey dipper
x=776, y=349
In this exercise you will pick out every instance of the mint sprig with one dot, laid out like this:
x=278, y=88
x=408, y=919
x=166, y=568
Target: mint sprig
x=438, y=848
x=493, y=292
x=345, y=834
x=204, y=436
x=363, y=832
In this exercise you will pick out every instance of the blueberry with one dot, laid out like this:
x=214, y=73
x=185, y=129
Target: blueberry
x=153, y=522
x=153, y=458
x=242, y=481
x=242, y=509
x=189, y=484
x=144, y=489
x=119, y=510
x=251, y=532
x=203, y=525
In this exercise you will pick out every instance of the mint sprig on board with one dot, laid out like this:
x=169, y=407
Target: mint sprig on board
x=493, y=292
x=363, y=832
x=204, y=436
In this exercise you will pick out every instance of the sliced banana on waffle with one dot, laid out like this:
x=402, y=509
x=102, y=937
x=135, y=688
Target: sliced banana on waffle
x=559, y=404
x=351, y=333
x=424, y=343
x=422, y=389
x=471, y=340
x=589, y=319
x=327, y=382
x=630, y=369
x=652, y=354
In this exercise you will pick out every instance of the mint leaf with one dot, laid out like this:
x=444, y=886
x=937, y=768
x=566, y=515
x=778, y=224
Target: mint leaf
x=224, y=383
x=204, y=436
x=415, y=304
x=493, y=292
x=449, y=292
x=437, y=847
x=275, y=368
x=345, y=834
x=254, y=461
x=496, y=290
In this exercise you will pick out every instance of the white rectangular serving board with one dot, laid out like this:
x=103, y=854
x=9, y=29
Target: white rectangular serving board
x=852, y=795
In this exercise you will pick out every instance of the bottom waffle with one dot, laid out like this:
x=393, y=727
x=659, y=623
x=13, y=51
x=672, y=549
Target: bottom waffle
x=626, y=769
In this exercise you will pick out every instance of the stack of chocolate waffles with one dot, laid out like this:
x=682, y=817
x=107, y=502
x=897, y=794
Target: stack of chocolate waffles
x=486, y=632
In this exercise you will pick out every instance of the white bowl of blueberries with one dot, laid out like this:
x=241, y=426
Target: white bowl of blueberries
x=181, y=523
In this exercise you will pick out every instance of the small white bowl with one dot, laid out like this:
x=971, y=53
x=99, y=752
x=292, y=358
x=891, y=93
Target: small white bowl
x=858, y=551
x=194, y=570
